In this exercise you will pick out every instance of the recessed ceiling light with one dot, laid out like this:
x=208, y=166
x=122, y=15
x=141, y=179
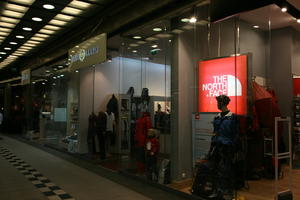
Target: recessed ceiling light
x=54, y=77
x=55, y=69
x=13, y=43
x=76, y=71
x=14, y=14
x=154, y=46
x=64, y=17
x=71, y=11
x=157, y=29
x=46, y=31
x=47, y=71
x=193, y=20
x=5, y=24
x=43, y=83
x=37, y=19
x=134, y=51
x=255, y=26
x=77, y=46
x=48, y=6
x=7, y=48
x=58, y=22
x=137, y=37
x=20, y=36
x=27, y=29
x=3, y=53
x=298, y=21
x=185, y=20
x=0, y=57
x=284, y=9
x=60, y=66
x=79, y=4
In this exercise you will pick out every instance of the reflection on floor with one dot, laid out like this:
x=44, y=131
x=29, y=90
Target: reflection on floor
x=258, y=190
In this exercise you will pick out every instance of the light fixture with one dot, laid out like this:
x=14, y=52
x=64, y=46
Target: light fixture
x=55, y=69
x=37, y=19
x=14, y=14
x=41, y=35
x=47, y=71
x=43, y=83
x=185, y=20
x=33, y=42
x=134, y=51
x=9, y=20
x=63, y=17
x=157, y=29
x=154, y=46
x=79, y=4
x=60, y=66
x=193, y=20
x=13, y=43
x=7, y=48
x=7, y=25
x=54, y=77
x=7, y=30
x=62, y=75
x=27, y=29
x=298, y=21
x=53, y=84
x=3, y=53
x=20, y=36
x=48, y=6
x=58, y=22
x=255, y=26
x=137, y=37
x=33, y=82
x=0, y=57
x=46, y=31
x=77, y=46
x=76, y=71
x=51, y=27
x=71, y=11
x=284, y=9
x=37, y=38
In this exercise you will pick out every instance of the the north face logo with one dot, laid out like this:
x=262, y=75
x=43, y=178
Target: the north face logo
x=225, y=84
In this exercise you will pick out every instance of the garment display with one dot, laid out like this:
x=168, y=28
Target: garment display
x=110, y=120
x=112, y=106
x=152, y=150
x=100, y=130
x=142, y=126
x=91, y=133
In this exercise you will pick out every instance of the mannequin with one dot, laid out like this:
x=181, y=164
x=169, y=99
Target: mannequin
x=223, y=145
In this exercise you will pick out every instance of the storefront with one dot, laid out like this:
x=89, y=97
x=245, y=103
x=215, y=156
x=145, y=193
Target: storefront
x=165, y=75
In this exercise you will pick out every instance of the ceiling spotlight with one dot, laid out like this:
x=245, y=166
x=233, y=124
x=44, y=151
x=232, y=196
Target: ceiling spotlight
x=3, y=53
x=62, y=75
x=157, y=29
x=13, y=43
x=53, y=84
x=154, y=46
x=137, y=37
x=37, y=19
x=60, y=66
x=298, y=21
x=284, y=9
x=77, y=46
x=255, y=26
x=20, y=36
x=33, y=82
x=0, y=57
x=47, y=71
x=76, y=71
x=55, y=69
x=193, y=20
x=54, y=77
x=27, y=29
x=43, y=83
x=48, y=6
x=185, y=20
x=134, y=51
x=7, y=48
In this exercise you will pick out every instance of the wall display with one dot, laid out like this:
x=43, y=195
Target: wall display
x=226, y=76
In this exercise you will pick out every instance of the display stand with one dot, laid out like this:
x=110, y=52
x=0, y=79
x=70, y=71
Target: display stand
x=202, y=130
x=287, y=194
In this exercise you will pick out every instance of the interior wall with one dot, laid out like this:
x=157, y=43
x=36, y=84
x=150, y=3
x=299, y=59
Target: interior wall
x=281, y=68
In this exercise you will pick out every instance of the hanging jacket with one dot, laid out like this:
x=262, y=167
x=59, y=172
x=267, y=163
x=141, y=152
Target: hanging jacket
x=226, y=129
x=142, y=126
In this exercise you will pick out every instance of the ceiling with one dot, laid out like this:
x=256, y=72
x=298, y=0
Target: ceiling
x=28, y=25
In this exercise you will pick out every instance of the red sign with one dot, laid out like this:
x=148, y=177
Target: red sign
x=226, y=76
x=296, y=86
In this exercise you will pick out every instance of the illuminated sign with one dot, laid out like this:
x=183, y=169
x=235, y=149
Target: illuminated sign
x=226, y=76
x=88, y=53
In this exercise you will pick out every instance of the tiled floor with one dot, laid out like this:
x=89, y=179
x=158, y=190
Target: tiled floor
x=79, y=179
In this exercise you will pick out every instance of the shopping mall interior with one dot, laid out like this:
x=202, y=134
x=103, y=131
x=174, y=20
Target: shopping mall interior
x=195, y=99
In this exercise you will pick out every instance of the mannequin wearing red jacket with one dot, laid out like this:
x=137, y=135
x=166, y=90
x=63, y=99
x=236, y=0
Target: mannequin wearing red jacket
x=152, y=150
x=142, y=126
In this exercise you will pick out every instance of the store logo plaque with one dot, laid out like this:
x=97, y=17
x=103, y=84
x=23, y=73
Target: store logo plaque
x=88, y=53
x=226, y=76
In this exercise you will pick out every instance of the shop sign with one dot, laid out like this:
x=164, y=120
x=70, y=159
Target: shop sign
x=25, y=77
x=88, y=53
x=226, y=76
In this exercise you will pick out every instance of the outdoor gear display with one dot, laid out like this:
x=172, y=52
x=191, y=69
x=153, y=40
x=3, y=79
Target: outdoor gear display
x=112, y=106
x=91, y=133
x=100, y=130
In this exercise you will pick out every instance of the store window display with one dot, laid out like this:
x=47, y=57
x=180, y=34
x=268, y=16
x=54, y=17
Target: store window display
x=219, y=168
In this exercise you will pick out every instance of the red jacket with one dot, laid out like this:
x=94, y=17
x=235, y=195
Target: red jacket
x=142, y=126
x=152, y=145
